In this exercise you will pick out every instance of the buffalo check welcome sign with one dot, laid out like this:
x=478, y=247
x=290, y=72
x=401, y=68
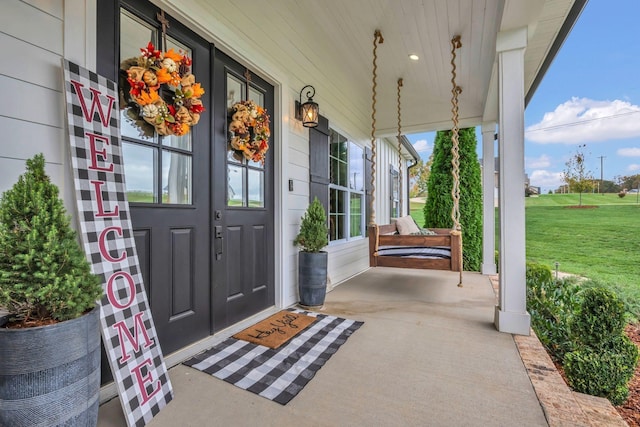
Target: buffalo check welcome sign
x=128, y=331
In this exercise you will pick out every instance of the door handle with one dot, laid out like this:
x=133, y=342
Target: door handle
x=219, y=242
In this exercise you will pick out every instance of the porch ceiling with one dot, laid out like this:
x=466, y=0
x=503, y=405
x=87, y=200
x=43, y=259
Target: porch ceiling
x=330, y=44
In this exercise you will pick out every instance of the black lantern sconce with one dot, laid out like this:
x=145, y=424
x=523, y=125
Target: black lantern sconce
x=309, y=111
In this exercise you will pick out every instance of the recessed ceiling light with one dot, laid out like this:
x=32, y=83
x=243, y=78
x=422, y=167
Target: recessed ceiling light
x=414, y=57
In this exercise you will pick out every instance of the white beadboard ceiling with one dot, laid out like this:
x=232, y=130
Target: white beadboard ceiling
x=329, y=44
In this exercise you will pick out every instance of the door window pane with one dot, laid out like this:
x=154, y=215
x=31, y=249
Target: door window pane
x=256, y=188
x=246, y=177
x=235, y=90
x=134, y=35
x=140, y=173
x=183, y=142
x=176, y=178
x=235, y=190
x=256, y=96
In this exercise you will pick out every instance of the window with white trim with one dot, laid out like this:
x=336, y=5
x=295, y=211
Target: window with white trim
x=394, y=193
x=346, y=188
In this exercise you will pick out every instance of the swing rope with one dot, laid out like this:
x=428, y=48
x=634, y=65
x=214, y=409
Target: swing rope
x=455, y=156
x=377, y=38
x=399, y=152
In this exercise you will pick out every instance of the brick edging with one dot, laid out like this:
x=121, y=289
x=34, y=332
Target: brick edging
x=560, y=404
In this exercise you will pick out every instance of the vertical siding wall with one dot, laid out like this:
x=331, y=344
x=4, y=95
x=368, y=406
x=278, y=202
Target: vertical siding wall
x=35, y=35
x=32, y=113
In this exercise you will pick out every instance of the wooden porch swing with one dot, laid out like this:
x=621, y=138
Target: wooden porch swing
x=441, y=250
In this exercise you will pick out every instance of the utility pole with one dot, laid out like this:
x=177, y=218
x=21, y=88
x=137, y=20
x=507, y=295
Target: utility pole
x=601, y=174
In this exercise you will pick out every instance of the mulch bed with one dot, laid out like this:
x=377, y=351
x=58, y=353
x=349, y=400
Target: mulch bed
x=630, y=410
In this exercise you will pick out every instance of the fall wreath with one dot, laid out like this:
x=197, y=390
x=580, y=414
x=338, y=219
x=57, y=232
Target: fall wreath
x=249, y=130
x=172, y=111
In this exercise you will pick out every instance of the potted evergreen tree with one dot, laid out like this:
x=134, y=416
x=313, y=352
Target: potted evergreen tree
x=50, y=346
x=312, y=260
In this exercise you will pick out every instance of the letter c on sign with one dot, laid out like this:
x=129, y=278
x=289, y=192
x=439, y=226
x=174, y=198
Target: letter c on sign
x=111, y=295
x=104, y=251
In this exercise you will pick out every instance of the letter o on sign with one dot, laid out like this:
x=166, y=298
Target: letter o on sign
x=111, y=292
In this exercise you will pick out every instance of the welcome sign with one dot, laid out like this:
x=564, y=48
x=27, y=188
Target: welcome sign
x=128, y=331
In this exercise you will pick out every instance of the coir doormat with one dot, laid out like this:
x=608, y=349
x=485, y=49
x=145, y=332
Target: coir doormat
x=277, y=374
x=276, y=330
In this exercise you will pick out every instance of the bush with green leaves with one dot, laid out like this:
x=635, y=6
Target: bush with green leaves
x=551, y=305
x=601, y=316
x=603, y=371
x=44, y=274
x=437, y=209
x=604, y=359
x=313, y=234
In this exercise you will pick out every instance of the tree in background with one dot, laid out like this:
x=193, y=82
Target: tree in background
x=419, y=178
x=576, y=175
x=437, y=209
x=628, y=182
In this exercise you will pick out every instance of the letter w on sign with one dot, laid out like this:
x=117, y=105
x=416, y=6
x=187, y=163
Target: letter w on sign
x=128, y=332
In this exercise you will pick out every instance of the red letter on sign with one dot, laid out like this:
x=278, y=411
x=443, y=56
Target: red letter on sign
x=123, y=332
x=94, y=152
x=95, y=100
x=143, y=380
x=101, y=213
x=111, y=295
x=102, y=243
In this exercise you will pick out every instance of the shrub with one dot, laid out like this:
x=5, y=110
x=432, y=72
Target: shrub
x=538, y=273
x=551, y=306
x=43, y=272
x=604, y=371
x=601, y=317
x=313, y=234
x=437, y=209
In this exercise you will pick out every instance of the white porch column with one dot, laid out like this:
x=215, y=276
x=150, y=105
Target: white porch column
x=511, y=314
x=488, y=199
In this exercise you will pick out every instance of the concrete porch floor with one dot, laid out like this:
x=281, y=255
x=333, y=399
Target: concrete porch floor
x=427, y=355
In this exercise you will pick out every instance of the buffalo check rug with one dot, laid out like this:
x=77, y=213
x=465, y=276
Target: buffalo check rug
x=277, y=374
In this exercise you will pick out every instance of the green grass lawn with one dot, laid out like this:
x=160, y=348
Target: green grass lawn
x=601, y=243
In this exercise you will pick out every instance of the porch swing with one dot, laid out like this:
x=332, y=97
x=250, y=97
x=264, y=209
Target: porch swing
x=441, y=250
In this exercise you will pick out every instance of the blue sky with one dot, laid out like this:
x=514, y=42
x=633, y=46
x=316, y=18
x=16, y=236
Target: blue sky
x=589, y=95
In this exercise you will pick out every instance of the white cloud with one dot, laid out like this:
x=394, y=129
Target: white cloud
x=629, y=152
x=581, y=120
x=422, y=145
x=633, y=168
x=543, y=161
x=546, y=179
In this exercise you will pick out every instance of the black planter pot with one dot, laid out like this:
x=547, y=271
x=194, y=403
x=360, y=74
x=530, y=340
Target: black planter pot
x=51, y=374
x=312, y=278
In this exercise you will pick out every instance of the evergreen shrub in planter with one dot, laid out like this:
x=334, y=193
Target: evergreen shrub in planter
x=50, y=348
x=312, y=261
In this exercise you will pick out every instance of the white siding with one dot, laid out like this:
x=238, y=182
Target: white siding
x=32, y=36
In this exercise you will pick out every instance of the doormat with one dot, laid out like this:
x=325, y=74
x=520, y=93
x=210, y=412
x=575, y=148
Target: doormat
x=277, y=374
x=276, y=330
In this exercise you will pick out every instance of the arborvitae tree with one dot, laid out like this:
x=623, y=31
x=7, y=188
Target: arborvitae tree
x=437, y=209
x=44, y=274
x=313, y=234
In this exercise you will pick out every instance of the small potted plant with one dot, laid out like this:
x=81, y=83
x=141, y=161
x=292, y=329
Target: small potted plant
x=50, y=346
x=312, y=260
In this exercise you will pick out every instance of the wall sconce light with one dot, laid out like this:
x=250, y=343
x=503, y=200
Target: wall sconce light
x=307, y=112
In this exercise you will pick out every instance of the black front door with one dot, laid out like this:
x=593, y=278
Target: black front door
x=202, y=215
x=243, y=258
